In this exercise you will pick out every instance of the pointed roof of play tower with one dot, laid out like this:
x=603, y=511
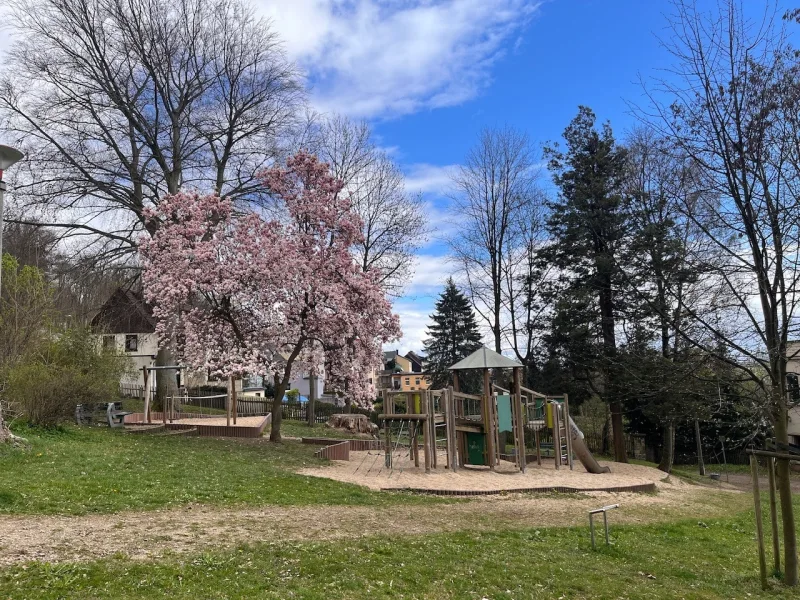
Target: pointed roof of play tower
x=483, y=358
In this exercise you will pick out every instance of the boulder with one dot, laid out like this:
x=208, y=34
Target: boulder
x=352, y=423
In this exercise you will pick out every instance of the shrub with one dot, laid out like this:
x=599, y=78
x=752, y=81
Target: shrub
x=45, y=385
x=293, y=396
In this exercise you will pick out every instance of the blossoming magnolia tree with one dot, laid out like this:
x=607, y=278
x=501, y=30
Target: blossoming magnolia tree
x=237, y=293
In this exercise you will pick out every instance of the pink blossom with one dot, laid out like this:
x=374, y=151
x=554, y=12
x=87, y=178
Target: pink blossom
x=237, y=293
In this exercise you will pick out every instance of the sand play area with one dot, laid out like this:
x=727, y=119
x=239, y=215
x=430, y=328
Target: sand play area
x=368, y=469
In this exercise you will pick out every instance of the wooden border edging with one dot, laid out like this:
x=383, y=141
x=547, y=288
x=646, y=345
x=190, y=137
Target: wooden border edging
x=644, y=488
x=356, y=445
x=340, y=451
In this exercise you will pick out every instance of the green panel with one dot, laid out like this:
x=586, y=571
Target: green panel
x=476, y=443
x=504, y=420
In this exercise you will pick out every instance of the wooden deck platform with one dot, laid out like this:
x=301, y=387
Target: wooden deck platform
x=209, y=426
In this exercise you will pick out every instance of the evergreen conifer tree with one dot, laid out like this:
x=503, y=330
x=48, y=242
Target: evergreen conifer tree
x=453, y=334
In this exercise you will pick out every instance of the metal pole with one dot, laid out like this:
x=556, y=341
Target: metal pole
x=591, y=527
x=605, y=524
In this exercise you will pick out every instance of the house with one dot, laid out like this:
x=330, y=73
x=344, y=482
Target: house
x=125, y=324
x=402, y=373
x=793, y=383
x=416, y=362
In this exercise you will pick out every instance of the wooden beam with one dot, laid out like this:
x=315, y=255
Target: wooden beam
x=519, y=424
x=402, y=417
x=773, y=514
x=487, y=419
x=568, y=430
x=426, y=432
x=228, y=403
x=235, y=408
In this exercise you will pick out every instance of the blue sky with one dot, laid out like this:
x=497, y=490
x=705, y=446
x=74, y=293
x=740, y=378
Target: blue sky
x=429, y=74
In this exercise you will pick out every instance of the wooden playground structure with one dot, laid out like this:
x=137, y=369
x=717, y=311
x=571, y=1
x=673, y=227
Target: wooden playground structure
x=475, y=427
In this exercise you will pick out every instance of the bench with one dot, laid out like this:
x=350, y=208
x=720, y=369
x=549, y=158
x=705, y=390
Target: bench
x=87, y=414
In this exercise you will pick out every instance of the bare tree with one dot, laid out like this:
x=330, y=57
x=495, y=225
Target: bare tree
x=734, y=114
x=394, y=220
x=498, y=207
x=118, y=102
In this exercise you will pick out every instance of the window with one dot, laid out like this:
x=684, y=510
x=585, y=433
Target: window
x=416, y=381
x=109, y=343
x=793, y=383
x=408, y=380
x=131, y=343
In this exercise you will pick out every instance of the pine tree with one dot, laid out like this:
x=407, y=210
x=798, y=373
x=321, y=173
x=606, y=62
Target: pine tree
x=453, y=334
x=587, y=225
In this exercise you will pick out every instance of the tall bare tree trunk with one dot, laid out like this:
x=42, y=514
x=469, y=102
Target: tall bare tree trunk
x=277, y=409
x=701, y=467
x=166, y=383
x=668, y=448
x=785, y=490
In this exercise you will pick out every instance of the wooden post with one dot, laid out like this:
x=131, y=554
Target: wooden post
x=235, y=407
x=228, y=403
x=538, y=448
x=519, y=424
x=147, y=389
x=388, y=442
x=773, y=513
x=762, y=561
x=415, y=442
x=556, y=437
x=568, y=430
x=426, y=432
x=432, y=428
x=488, y=429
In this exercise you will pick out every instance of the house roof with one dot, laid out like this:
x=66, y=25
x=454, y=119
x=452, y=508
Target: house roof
x=483, y=358
x=414, y=357
x=124, y=312
x=390, y=355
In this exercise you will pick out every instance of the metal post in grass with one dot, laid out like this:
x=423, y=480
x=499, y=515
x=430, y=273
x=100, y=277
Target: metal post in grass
x=603, y=510
x=762, y=560
x=724, y=458
x=773, y=514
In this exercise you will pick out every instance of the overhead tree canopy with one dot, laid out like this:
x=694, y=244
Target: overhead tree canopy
x=241, y=294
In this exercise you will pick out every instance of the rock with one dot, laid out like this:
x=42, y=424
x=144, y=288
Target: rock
x=352, y=423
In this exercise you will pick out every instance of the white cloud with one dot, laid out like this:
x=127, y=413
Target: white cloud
x=430, y=179
x=383, y=58
x=429, y=276
x=414, y=318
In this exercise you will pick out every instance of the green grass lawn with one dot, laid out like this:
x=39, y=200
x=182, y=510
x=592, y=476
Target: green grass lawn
x=94, y=469
x=301, y=429
x=710, y=560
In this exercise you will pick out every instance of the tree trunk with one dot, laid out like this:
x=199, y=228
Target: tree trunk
x=701, y=467
x=783, y=484
x=312, y=399
x=166, y=384
x=617, y=426
x=277, y=410
x=668, y=448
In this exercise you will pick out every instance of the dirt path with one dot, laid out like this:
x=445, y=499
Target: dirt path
x=150, y=534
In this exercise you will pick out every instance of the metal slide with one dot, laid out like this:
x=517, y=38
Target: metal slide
x=582, y=452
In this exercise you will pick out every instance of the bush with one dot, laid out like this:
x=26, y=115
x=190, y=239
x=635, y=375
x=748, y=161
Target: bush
x=293, y=396
x=45, y=385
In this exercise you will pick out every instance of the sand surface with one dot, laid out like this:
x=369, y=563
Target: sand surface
x=367, y=469
x=194, y=528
